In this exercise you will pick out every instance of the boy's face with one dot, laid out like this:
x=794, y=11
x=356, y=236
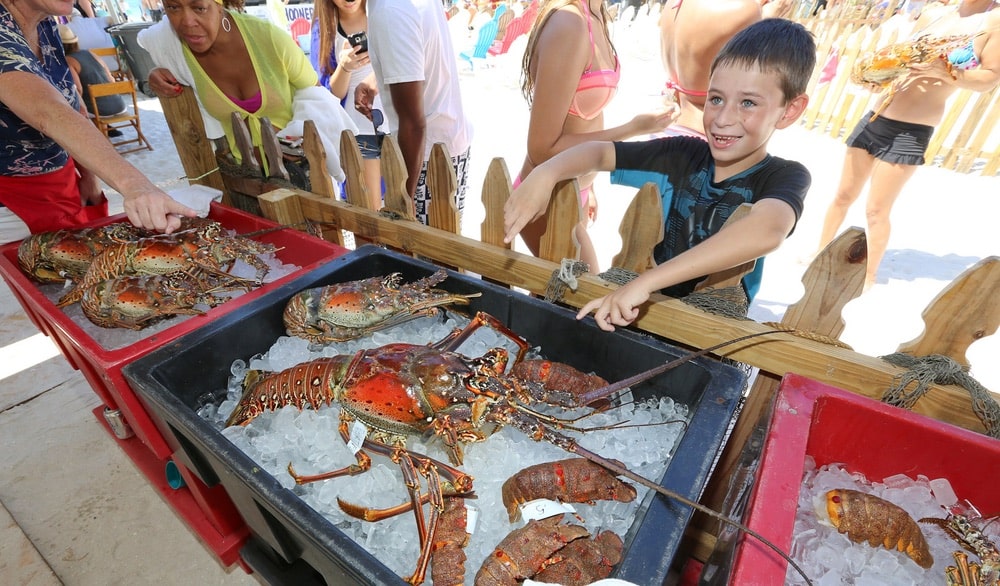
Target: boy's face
x=742, y=109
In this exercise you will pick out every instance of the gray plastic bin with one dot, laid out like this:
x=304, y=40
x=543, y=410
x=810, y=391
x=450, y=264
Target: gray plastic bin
x=140, y=63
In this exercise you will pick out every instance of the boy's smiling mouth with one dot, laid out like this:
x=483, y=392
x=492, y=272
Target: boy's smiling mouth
x=724, y=140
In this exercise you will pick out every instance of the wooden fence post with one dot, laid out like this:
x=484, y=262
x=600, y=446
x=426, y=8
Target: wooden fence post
x=496, y=192
x=641, y=229
x=193, y=147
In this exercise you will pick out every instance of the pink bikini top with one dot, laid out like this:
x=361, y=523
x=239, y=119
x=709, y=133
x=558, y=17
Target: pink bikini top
x=251, y=104
x=596, y=88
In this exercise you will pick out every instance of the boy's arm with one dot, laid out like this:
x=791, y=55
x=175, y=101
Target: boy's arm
x=760, y=232
x=530, y=200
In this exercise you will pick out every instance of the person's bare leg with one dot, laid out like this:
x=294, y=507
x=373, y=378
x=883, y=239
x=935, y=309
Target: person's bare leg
x=373, y=182
x=857, y=169
x=887, y=183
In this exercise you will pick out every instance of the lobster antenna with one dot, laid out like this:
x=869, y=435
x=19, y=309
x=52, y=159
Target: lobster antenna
x=587, y=397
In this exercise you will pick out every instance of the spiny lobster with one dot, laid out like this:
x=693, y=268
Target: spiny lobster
x=345, y=311
x=200, y=248
x=890, y=67
x=66, y=254
x=404, y=389
x=961, y=529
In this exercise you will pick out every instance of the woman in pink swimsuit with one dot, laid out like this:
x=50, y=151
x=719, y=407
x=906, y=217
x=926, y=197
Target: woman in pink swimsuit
x=569, y=74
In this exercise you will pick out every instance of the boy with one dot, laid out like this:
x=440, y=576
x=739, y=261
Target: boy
x=758, y=85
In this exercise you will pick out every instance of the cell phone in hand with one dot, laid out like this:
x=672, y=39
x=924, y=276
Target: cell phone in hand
x=359, y=39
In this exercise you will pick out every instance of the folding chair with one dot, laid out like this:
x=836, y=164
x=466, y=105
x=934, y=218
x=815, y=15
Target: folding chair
x=118, y=72
x=122, y=120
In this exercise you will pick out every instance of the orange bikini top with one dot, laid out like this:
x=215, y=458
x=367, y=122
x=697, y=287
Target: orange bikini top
x=596, y=88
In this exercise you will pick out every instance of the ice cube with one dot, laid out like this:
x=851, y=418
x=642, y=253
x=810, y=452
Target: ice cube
x=943, y=493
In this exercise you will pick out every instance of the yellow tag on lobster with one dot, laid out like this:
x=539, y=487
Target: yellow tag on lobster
x=543, y=509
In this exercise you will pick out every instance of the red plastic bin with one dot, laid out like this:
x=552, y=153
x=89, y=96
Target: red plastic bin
x=869, y=437
x=102, y=367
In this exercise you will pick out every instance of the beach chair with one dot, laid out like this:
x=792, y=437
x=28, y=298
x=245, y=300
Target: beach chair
x=517, y=27
x=486, y=35
x=126, y=119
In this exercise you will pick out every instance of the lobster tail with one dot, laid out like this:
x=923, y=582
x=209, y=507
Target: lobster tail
x=309, y=384
x=865, y=517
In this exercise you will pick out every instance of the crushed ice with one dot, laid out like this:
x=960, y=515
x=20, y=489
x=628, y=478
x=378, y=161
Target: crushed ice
x=309, y=439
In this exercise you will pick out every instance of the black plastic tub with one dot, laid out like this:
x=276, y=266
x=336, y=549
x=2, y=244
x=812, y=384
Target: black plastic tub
x=293, y=543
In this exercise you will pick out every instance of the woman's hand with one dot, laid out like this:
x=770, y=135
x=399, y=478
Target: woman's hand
x=658, y=121
x=164, y=84
x=350, y=59
x=621, y=308
x=936, y=69
x=526, y=204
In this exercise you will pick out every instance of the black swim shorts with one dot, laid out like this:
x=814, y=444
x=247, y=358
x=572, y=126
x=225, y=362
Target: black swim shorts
x=891, y=140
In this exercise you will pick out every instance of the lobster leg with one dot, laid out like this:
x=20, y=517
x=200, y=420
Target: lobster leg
x=459, y=336
x=364, y=461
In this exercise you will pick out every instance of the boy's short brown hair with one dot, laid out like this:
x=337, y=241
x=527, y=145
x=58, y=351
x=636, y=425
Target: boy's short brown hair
x=774, y=45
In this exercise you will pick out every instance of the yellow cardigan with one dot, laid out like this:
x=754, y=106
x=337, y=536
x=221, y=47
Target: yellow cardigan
x=281, y=68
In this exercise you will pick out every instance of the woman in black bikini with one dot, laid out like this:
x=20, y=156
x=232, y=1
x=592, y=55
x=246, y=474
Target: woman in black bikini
x=886, y=152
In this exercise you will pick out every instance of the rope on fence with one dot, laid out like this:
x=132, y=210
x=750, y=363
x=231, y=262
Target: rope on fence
x=941, y=370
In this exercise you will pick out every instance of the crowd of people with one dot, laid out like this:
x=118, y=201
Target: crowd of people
x=733, y=74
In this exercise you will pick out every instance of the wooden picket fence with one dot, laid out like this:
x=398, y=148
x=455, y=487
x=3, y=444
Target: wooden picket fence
x=966, y=140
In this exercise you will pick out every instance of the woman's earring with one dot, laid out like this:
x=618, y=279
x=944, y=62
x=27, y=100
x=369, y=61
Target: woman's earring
x=226, y=25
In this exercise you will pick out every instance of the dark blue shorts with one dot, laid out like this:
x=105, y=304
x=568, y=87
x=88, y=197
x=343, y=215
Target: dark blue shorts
x=891, y=140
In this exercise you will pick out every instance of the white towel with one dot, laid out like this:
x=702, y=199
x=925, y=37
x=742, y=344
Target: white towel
x=319, y=105
x=311, y=103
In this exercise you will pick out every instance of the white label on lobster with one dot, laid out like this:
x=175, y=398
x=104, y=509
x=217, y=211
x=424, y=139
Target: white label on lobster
x=543, y=509
x=471, y=518
x=359, y=431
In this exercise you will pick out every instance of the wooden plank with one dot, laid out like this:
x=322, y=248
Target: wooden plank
x=835, y=277
x=559, y=239
x=965, y=311
x=248, y=159
x=397, y=199
x=193, y=147
x=315, y=152
x=683, y=324
x=959, y=104
x=641, y=229
x=977, y=146
x=282, y=206
x=496, y=192
x=964, y=153
x=355, y=189
x=442, y=187
x=272, y=151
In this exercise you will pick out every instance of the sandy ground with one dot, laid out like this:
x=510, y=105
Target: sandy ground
x=943, y=223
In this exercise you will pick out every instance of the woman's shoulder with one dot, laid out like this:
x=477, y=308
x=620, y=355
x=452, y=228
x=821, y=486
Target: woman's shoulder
x=568, y=18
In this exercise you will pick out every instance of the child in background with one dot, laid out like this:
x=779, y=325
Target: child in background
x=758, y=85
